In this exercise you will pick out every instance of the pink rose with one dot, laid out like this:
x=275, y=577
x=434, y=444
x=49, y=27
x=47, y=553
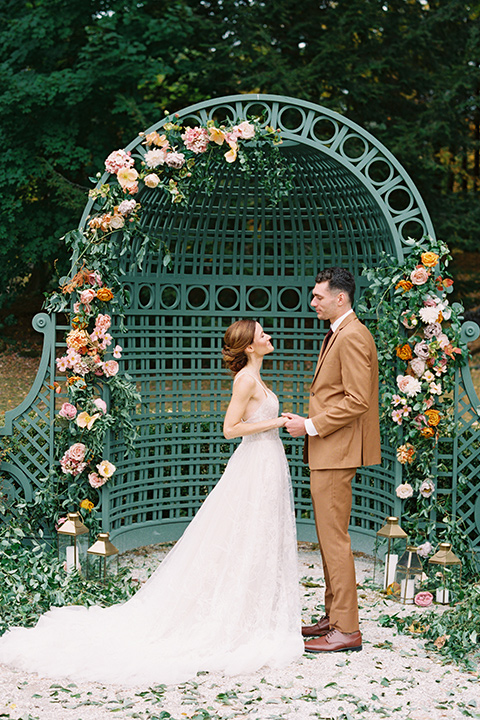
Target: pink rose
x=246, y=130
x=418, y=366
x=100, y=404
x=419, y=276
x=76, y=452
x=68, y=411
x=423, y=599
x=94, y=279
x=110, y=368
x=95, y=480
x=86, y=296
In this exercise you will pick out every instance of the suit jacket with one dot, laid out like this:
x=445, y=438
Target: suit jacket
x=344, y=401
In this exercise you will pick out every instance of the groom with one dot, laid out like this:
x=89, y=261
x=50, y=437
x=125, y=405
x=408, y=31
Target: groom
x=342, y=433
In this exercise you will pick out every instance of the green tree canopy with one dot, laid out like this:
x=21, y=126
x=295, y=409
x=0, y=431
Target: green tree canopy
x=78, y=80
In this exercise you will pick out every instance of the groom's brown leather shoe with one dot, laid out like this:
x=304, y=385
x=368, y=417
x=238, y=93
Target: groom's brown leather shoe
x=320, y=628
x=335, y=641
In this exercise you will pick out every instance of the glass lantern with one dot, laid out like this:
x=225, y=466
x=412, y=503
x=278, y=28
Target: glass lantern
x=408, y=575
x=72, y=539
x=392, y=531
x=103, y=558
x=445, y=557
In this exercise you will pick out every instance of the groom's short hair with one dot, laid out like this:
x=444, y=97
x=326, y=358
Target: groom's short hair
x=338, y=279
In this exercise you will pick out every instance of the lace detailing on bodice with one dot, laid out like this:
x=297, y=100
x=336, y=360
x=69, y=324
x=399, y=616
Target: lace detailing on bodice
x=266, y=411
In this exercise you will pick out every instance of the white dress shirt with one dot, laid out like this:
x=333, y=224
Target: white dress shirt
x=309, y=426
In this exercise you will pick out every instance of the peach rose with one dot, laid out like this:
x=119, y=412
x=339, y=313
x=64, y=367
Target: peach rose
x=110, y=368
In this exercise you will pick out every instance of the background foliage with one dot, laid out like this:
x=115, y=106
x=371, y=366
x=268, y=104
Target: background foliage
x=78, y=79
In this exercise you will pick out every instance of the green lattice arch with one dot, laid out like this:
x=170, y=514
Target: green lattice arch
x=234, y=255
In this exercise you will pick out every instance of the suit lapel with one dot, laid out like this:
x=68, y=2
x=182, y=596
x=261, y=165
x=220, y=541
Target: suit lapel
x=321, y=358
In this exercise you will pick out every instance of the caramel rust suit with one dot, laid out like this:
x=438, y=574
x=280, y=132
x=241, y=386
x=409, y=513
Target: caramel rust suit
x=344, y=410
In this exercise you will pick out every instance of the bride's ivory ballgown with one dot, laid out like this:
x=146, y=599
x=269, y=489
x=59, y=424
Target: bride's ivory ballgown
x=225, y=599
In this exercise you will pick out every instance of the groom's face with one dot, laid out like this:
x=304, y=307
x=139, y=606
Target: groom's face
x=327, y=304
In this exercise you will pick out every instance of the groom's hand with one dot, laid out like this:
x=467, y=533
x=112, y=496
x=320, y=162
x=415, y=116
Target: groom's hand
x=295, y=425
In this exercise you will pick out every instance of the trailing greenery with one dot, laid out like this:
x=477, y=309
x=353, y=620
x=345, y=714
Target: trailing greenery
x=455, y=633
x=32, y=579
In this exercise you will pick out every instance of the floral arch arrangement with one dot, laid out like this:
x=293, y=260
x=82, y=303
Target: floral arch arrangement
x=418, y=335
x=99, y=398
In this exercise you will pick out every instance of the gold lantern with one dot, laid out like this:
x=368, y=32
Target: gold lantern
x=105, y=558
x=392, y=531
x=445, y=557
x=408, y=575
x=72, y=539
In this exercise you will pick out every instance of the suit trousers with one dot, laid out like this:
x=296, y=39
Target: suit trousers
x=331, y=492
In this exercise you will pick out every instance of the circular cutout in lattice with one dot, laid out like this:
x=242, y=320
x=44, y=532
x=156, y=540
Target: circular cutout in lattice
x=324, y=130
x=197, y=297
x=170, y=297
x=146, y=296
x=228, y=298
x=291, y=118
x=412, y=228
x=399, y=199
x=223, y=114
x=261, y=110
x=192, y=121
x=379, y=171
x=354, y=147
x=258, y=298
x=289, y=299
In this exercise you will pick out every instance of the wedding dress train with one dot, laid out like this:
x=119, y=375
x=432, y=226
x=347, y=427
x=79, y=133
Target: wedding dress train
x=226, y=597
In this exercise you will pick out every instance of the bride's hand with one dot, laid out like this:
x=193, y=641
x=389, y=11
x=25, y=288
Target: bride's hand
x=281, y=421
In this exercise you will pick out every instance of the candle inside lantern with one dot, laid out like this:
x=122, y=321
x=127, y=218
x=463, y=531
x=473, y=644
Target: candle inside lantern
x=390, y=567
x=407, y=591
x=442, y=596
x=71, y=564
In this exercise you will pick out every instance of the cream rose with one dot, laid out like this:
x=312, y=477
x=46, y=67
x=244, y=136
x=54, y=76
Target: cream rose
x=106, y=469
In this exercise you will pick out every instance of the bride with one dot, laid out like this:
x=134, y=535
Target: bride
x=226, y=598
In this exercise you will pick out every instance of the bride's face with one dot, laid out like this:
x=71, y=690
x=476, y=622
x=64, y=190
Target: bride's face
x=261, y=342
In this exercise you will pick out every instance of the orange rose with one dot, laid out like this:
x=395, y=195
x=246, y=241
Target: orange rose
x=433, y=417
x=429, y=259
x=404, y=352
x=87, y=505
x=427, y=432
x=404, y=284
x=104, y=294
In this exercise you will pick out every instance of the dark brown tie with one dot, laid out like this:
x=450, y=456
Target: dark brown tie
x=326, y=340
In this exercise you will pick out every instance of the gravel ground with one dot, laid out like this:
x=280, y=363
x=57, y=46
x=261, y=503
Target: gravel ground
x=393, y=677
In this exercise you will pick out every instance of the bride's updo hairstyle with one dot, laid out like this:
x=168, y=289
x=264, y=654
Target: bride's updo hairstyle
x=238, y=337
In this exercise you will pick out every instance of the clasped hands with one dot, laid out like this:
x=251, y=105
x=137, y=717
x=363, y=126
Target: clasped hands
x=295, y=424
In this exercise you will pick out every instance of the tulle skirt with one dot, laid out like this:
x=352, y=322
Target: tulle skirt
x=226, y=598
